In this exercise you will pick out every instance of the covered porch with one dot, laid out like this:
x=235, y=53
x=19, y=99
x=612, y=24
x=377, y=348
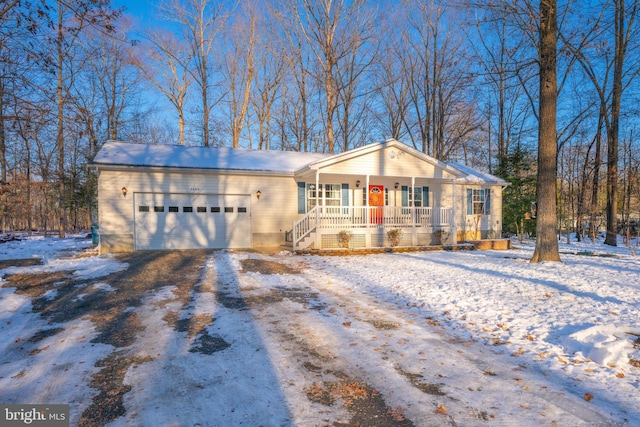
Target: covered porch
x=331, y=227
x=355, y=199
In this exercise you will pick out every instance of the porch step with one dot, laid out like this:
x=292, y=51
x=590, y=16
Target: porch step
x=306, y=242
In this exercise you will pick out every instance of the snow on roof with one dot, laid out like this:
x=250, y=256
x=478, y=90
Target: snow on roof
x=116, y=153
x=474, y=176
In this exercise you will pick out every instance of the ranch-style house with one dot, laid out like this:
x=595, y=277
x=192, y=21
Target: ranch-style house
x=178, y=197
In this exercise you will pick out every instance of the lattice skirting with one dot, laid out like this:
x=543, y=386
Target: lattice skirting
x=331, y=241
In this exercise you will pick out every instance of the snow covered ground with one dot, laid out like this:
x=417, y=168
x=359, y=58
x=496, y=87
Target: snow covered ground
x=62, y=372
x=508, y=342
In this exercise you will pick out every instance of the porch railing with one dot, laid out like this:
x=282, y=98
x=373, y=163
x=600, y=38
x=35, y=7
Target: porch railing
x=350, y=217
x=304, y=227
x=382, y=217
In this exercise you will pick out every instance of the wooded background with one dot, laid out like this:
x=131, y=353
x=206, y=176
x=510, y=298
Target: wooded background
x=458, y=81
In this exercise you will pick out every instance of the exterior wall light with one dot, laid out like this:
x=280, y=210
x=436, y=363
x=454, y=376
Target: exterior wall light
x=124, y=192
x=358, y=184
x=396, y=185
x=258, y=194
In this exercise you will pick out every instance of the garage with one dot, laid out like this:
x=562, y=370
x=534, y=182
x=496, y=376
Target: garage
x=191, y=221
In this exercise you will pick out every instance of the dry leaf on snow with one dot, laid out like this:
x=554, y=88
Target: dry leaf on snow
x=397, y=414
x=440, y=409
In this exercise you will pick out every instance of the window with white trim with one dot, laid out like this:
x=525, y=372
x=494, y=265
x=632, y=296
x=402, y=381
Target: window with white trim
x=415, y=199
x=327, y=194
x=478, y=200
x=409, y=199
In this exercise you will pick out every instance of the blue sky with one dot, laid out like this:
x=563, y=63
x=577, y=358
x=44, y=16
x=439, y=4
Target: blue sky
x=144, y=11
x=139, y=8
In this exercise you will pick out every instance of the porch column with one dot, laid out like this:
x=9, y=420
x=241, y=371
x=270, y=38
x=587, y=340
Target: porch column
x=367, y=234
x=318, y=240
x=317, y=186
x=366, y=188
x=414, y=214
x=454, y=227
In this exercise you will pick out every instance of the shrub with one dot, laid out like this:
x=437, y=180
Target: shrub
x=344, y=237
x=443, y=236
x=395, y=236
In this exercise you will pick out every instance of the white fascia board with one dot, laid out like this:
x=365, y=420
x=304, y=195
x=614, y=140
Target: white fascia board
x=170, y=169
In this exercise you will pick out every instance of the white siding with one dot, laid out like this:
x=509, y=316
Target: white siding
x=379, y=163
x=490, y=225
x=271, y=215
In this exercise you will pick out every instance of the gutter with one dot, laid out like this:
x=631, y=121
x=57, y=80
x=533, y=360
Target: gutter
x=140, y=168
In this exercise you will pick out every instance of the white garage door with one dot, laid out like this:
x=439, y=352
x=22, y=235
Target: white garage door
x=191, y=221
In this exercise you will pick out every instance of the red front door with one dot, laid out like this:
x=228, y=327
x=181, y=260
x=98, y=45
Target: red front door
x=376, y=198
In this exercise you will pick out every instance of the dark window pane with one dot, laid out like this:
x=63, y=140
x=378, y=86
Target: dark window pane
x=228, y=209
x=173, y=209
x=187, y=209
x=158, y=208
x=143, y=208
x=201, y=209
x=242, y=210
x=215, y=209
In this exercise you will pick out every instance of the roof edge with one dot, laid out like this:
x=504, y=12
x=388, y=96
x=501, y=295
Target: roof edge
x=378, y=146
x=209, y=171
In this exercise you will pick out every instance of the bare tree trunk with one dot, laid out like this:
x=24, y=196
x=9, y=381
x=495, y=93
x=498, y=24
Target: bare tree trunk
x=503, y=149
x=305, y=113
x=181, y=127
x=166, y=67
x=435, y=81
x=60, y=132
x=332, y=105
x=240, y=116
x=624, y=29
x=201, y=19
x=203, y=51
x=3, y=146
x=597, y=162
x=628, y=188
x=612, y=139
x=333, y=30
x=299, y=72
x=546, y=229
x=582, y=193
x=3, y=160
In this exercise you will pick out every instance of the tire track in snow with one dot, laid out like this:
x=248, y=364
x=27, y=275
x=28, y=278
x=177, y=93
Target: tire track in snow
x=233, y=386
x=342, y=337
